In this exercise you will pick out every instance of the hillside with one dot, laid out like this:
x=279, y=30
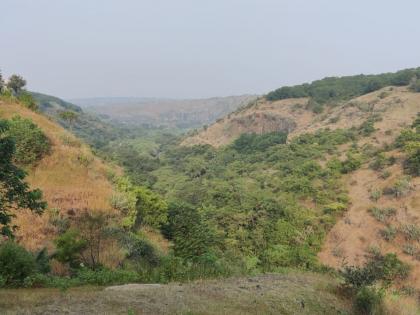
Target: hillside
x=311, y=106
x=71, y=178
x=188, y=113
x=87, y=126
x=364, y=227
x=397, y=107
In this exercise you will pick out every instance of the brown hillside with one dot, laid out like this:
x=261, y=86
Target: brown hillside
x=395, y=105
x=71, y=177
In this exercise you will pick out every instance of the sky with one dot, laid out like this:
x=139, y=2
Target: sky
x=201, y=48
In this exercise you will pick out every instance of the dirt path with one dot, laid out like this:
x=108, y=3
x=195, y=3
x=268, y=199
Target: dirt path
x=294, y=293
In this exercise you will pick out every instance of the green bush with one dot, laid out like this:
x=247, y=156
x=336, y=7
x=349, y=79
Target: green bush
x=379, y=268
x=69, y=248
x=31, y=143
x=412, y=163
x=369, y=300
x=16, y=264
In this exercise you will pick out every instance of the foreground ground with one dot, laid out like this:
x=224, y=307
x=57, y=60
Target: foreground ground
x=265, y=294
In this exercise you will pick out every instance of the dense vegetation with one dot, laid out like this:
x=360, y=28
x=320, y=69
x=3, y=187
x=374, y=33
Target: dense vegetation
x=344, y=88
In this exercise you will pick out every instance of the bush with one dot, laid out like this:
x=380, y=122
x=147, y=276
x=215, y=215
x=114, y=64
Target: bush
x=412, y=163
x=16, y=264
x=69, y=248
x=388, y=233
x=31, y=143
x=383, y=214
x=369, y=301
x=384, y=268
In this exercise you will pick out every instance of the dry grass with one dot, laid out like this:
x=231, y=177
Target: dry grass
x=294, y=293
x=71, y=178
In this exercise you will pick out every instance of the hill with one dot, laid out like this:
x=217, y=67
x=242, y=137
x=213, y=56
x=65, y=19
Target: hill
x=87, y=126
x=188, y=113
x=379, y=217
x=308, y=107
x=71, y=178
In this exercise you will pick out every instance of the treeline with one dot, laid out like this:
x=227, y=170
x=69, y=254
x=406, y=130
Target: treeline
x=344, y=88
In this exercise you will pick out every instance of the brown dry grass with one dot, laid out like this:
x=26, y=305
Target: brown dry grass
x=71, y=178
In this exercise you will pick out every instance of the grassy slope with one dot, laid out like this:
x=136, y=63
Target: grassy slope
x=71, y=178
x=291, y=293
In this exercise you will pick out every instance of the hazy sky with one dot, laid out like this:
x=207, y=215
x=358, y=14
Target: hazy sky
x=201, y=48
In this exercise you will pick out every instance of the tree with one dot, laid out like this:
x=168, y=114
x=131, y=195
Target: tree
x=68, y=116
x=14, y=192
x=1, y=83
x=16, y=84
x=190, y=234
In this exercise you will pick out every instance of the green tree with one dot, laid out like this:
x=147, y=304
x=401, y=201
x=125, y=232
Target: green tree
x=16, y=263
x=30, y=141
x=16, y=84
x=190, y=234
x=68, y=116
x=1, y=83
x=69, y=248
x=15, y=192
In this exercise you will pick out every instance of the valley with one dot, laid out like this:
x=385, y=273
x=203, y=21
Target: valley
x=308, y=190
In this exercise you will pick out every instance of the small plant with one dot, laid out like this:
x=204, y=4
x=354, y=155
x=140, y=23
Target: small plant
x=411, y=232
x=410, y=249
x=400, y=188
x=369, y=301
x=375, y=195
x=385, y=174
x=384, y=214
x=389, y=233
x=84, y=160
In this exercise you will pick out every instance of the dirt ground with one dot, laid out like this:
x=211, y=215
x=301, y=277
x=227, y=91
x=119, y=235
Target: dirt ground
x=290, y=293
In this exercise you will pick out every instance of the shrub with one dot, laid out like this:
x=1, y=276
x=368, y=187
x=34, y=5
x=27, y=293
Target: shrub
x=411, y=232
x=383, y=214
x=352, y=163
x=16, y=263
x=412, y=163
x=31, y=143
x=384, y=268
x=369, y=301
x=375, y=195
x=388, y=233
x=69, y=248
x=401, y=187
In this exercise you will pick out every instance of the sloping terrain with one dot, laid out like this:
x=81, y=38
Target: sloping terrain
x=292, y=116
x=189, y=113
x=359, y=232
x=71, y=178
x=292, y=293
